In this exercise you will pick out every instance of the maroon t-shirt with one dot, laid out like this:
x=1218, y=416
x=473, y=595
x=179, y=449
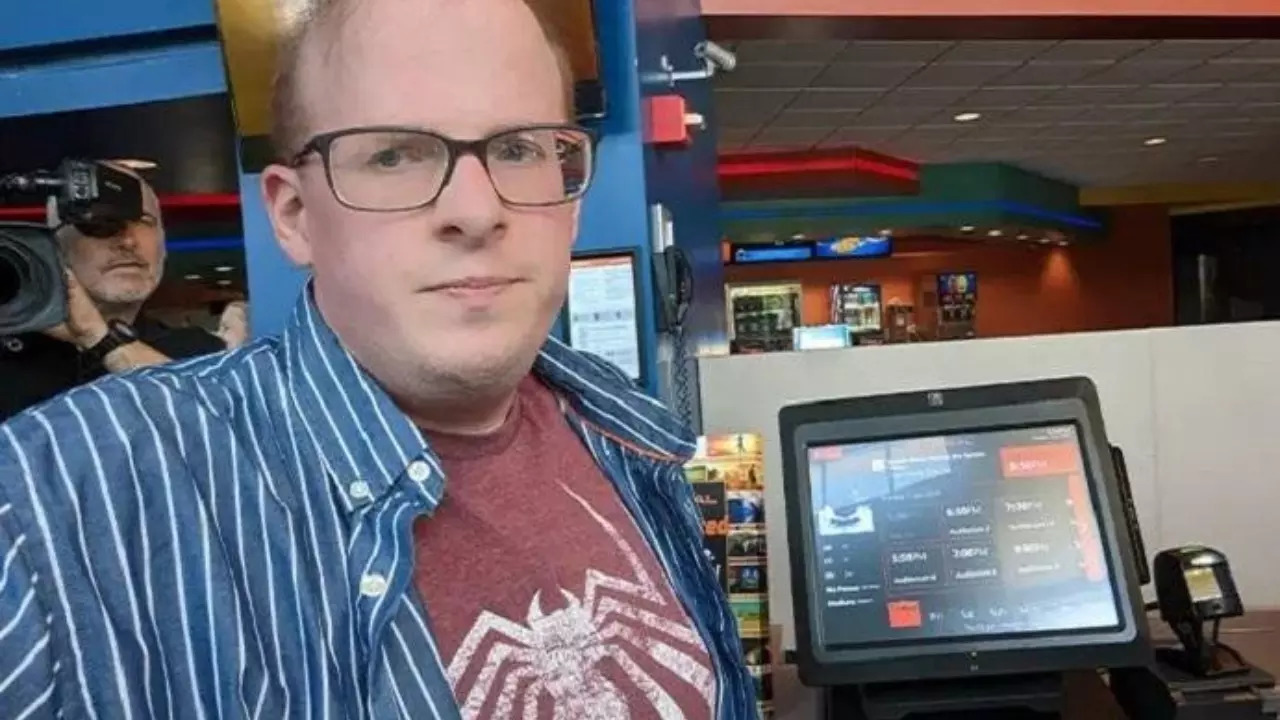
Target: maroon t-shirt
x=544, y=597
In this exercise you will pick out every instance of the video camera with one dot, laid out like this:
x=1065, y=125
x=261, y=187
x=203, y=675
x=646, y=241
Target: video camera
x=99, y=200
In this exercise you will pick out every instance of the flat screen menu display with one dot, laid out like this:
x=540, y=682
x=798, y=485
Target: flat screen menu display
x=601, y=308
x=982, y=534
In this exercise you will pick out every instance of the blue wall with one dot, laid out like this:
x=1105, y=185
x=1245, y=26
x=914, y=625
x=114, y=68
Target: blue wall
x=60, y=55
x=684, y=180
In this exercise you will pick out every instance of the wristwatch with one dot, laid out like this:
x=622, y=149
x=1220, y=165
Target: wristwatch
x=119, y=334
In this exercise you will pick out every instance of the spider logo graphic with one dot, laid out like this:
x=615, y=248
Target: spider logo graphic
x=561, y=654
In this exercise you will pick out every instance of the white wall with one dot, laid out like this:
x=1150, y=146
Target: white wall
x=1196, y=411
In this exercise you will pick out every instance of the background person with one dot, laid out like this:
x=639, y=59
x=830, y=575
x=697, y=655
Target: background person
x=108, y=281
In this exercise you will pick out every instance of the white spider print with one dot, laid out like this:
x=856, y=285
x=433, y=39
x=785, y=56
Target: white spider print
x=560, y=654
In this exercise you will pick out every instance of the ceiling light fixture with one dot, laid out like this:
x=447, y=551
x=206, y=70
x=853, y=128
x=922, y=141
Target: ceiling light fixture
x=886, y=232
x=1062, y=243
x=224, y=268
x=966, y=228
x=1024, y=236
x=192, y=277
x=1154, y=141
x=224, y=283
x=995, y=233
x=1208, y=159
x=965, y=117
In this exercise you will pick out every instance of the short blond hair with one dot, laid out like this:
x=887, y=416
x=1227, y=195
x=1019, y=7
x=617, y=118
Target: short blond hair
x=324, y=21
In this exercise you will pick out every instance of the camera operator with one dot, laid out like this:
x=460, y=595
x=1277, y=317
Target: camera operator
x=108, y=280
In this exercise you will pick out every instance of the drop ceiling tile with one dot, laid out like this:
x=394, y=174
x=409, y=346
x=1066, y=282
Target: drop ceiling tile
x=1132, y=111
x=1052, y=72
x=997, y=50
x=889, y=115
x=863, y=75
x=892, y=51
x=1225, y=71
x=1259, y=111
x=1157, y=128
x=1095, y=49
x=1012, y=96
x=1013, y=129
x=1047, y=113
x=778, y=76
x=776, y=51
x=1189, y=49
x=1200, y=111
x=791, y=137
x=813, y=118
x=1135, y=72
x=1084, y=95
x=1169, y=92
x=934, y=133
x=921, y=97
x=960, y=75
x=1269, y=49
x=746, y=107
x=864, y=136
x=1250, y=92
x=826, y=99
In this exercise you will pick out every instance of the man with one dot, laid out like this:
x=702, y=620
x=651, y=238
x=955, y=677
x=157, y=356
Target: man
x=412, y=504
x=108, y=280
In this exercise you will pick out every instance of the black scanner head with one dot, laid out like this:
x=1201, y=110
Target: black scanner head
x=1194, y=584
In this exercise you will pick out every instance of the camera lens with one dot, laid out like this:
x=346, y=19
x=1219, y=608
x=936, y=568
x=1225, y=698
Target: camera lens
x=14, y=274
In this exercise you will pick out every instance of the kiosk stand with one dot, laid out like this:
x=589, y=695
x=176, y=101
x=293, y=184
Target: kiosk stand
x=974, y=553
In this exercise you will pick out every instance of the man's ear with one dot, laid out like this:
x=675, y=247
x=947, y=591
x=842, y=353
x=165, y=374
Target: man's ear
x=282, y=196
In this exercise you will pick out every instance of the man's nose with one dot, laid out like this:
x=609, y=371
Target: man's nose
x=469, y=207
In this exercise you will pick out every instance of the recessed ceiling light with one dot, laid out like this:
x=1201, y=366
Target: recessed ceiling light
x=1062, y=243
x=1044, y=241
x=224, y=268
x=798, y=236
x=136, y=163
x=224, y=283
x=966, y=228
x=995, y=233
x=967, y=117
x=1023, y=236
x=192, y=277
x=1153, y=141
x=1209, y=159
x=886, y=232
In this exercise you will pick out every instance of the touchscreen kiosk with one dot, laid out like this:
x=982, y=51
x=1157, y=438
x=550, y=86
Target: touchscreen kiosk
x=958, y=533
x=600, y=315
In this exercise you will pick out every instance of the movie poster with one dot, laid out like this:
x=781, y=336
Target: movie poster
x=728, y=481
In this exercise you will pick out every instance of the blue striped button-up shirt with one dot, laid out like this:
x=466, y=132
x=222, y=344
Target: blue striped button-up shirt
x=231, y=537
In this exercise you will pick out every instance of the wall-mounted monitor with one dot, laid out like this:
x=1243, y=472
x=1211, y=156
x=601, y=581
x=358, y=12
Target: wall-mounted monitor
x=601, y=314
x=958, y=533
x=854, y=247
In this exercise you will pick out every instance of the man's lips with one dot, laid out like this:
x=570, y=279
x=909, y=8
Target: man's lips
x=129, y=265
x=473, y=284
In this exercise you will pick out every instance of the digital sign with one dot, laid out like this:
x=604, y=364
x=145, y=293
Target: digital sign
x=854, y=247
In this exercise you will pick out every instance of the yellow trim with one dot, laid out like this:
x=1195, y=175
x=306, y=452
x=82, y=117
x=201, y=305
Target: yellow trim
x=1181, y=194
x=249, y=30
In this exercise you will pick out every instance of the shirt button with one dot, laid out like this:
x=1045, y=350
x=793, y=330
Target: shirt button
x=373, y=585
x=419, y=471
x=359, y=490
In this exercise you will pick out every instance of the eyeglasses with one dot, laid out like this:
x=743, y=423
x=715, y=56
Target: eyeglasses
x=390, y=169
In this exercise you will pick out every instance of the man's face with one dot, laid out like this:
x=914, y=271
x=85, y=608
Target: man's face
x=459, y=294
x=120, y=270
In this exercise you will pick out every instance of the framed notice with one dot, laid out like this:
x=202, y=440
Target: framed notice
x=602, y=311
x=727, y=474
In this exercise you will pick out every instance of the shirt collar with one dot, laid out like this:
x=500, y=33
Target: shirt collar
x=362, y=436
